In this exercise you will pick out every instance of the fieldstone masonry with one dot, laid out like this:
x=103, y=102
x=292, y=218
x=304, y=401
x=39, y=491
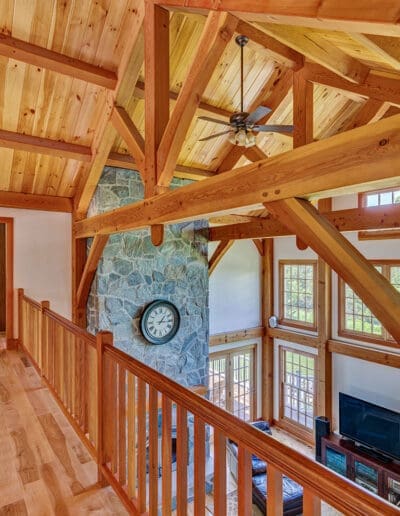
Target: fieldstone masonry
x=132, y=273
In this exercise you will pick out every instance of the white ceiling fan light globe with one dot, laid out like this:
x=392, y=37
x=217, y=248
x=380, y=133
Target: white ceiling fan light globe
x=250, y=139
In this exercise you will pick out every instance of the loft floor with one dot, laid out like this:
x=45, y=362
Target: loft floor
x=44, y=468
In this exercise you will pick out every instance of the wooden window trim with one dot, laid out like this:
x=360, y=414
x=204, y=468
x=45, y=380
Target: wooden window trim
x=357, y=335
x=379, y=234
x=228, y=353
x=288, y=322
x=297, y=429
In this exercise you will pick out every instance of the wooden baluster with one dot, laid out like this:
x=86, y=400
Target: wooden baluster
x=122, y=425
x=141, y=444
x=219, y=473
x=102, y=338
x=181, y=462
x=153, y=451
x=20, y=317
x=311, y=503
x=113, y=421
x=84, y=385
x=132, y=470
x=244, y=482
x=166, y=455
x=274, y=491
x=199, y=467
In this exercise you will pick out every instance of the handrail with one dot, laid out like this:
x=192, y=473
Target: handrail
x=103, y=393
x=331, y=487
x=73, y=328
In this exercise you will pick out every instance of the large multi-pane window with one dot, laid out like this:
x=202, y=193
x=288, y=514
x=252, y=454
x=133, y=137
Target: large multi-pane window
x=297, y=387
x=356, y=319
x=232, y=381
x=298, y=293
x=380, y=198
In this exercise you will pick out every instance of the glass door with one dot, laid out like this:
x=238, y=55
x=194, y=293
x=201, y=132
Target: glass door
x=366, y=476
x=393, y=490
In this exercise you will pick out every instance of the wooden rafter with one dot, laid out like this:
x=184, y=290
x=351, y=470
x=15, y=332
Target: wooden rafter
x=204, y=107
x=259, y=245
x=96, y=250
x=130, y=134
x=358, y=160
x=278, y=51
x=217, y=33
x=357, y=219
x=116, y=159
x=29, y=143
x=311, y=44
x=104, y=137
x=359, y=16
x=60, y=63
x=35, y=202
x=385, y=88
x=375, y=291
x=372, y=111
x=379, y=46
x=222, y=248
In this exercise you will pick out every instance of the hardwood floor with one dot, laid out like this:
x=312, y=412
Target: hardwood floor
x=44, y=468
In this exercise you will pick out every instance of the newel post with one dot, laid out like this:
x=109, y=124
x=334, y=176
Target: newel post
x=43, y=348
x=103, y=338
x=20, y=318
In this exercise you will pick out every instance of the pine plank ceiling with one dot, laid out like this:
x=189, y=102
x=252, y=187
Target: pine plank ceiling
x=38, y=101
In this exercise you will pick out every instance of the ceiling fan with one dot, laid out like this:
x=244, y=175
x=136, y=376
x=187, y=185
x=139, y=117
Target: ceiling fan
x=243, y=125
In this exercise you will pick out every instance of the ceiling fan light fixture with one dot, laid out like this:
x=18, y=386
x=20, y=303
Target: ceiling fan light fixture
x=242, y=138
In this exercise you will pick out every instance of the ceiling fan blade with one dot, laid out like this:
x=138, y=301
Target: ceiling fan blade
x=213, y=120
x=213, y=136
x=273, y=128
x=257, y=114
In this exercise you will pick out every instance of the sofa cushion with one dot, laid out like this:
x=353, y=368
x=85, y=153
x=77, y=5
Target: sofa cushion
x=292, y=494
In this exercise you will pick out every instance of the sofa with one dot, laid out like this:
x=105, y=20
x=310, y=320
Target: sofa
x=292, y=492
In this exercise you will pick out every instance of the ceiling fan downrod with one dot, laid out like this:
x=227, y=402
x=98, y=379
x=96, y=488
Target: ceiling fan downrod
x=242, y=41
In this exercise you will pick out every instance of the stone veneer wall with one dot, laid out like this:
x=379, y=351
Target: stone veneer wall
x=132, y=273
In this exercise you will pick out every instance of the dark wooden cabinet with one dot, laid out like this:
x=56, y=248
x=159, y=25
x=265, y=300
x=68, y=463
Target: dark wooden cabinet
x=378, y=476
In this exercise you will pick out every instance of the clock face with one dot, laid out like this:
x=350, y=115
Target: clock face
x=160, y=322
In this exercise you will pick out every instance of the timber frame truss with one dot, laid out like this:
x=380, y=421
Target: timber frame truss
x=361, y=159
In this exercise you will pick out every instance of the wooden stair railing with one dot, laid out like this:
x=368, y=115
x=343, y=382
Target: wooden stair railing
x=124, y=412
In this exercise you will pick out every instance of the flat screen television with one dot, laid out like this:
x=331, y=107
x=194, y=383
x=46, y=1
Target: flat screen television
x=371, y=425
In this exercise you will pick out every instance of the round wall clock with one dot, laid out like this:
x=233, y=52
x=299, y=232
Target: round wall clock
x=160, y=322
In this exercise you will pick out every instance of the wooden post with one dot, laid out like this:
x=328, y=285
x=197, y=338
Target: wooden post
x=267, y=361
x=102, y=338
x=42, y=336
x=20, y=318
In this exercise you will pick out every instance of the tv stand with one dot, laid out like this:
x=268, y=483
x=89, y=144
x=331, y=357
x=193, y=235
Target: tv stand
x=363, y=466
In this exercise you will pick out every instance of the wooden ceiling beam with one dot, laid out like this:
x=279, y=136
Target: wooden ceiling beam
x=359, y=160
x=104, y=137
x=372, y=111
x=130, y=134
x=279, y=52
x=379, y=87
x=217, y=33
x=360, y=16
x=116, y=159
x=375, y=290
x=89, y=271
x=29, y=143
x=60, y=63
x=203, y=106
x=27, y=201
x=381, y=47
x=312, y=45
x=218, y=254
x=357, y=219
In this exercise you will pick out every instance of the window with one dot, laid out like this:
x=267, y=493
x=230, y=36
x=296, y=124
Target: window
x=380, y=198
x=297, y=388
x=298, y=293
x=355, y=318
x=232, y=381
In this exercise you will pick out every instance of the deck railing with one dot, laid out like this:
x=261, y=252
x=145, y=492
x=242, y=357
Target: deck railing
x=125, y=413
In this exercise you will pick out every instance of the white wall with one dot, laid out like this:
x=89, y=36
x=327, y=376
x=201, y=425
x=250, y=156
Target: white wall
x=42, y=257
x=375, y=383
x=235, y=289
